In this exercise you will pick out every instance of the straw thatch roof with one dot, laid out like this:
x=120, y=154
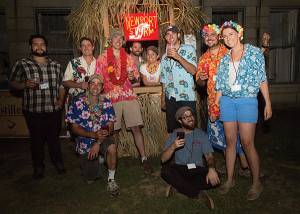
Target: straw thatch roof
x=92, y=18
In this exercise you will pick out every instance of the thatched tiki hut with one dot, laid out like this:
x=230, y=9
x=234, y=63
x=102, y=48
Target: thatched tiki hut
x=94, y=18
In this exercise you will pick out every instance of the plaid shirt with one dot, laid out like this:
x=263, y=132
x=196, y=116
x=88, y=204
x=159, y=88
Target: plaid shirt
x=42, y=100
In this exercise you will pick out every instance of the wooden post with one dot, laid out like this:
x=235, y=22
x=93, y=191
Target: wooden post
x=171, y=14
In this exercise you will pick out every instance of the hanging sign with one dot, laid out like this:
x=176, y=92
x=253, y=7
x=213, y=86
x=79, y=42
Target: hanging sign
x=141, y=26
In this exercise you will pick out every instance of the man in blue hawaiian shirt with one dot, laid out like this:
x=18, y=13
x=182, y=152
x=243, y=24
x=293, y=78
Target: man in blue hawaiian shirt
x=178, y=65
x=92, y=117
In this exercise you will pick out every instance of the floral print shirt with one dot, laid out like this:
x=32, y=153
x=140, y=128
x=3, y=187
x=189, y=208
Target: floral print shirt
x=79, y=113
x=76, y=71
x=117, y=93
x=250, y=75
x=178, y=81
x=213, y=60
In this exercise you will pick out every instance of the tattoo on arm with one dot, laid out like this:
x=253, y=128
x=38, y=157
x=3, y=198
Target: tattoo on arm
x=210, y=161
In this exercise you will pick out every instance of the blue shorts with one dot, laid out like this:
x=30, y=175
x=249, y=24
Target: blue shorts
x=242, y=109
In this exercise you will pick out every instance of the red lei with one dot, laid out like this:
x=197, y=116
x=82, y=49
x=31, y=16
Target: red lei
x=111, y=68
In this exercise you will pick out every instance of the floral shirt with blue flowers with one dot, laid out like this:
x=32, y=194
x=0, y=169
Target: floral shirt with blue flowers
x=79, y=113
x=178, y=81
x=250, y=75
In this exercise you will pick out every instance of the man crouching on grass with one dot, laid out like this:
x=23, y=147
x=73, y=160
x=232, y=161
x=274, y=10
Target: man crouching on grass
x=92, y=117
x=188, y=175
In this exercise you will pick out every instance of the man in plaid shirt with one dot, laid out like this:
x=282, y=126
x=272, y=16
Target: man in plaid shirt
x=40, y=78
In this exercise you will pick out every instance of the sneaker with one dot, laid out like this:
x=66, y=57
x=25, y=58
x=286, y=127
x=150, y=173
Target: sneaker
x=222, y=169
x=226, y=187
x=112, y=188
x=171, y=190
x=60, y=169
x=146, y=166
x=38, y=173
x=204, y=199
x=246, y=173
x=254, y=192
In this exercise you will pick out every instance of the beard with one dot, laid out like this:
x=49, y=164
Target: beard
x=188, y=126
x=136, y=53
x=35, y=53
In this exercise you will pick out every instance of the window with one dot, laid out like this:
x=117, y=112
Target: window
x=4, y=56
x=52, y=24
x=284, y=46
x=220, y=15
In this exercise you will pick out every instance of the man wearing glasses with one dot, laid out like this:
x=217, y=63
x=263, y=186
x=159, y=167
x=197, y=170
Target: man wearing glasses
x=189, y=175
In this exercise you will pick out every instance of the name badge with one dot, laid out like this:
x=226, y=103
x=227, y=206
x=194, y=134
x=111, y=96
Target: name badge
x=191, y=166
x=236, y=88
x=214, y=78
x=44, y=85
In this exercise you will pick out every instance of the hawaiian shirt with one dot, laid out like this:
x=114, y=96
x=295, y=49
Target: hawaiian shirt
x=79, y=113
x=117, y=93
x=213, y=60
x=77, y=70
x=250, y=74
x=178, y=81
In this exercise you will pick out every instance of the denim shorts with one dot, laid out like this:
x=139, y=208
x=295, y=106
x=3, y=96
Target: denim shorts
x=241, y=109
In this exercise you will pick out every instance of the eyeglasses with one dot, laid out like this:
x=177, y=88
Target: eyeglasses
x=188, y=116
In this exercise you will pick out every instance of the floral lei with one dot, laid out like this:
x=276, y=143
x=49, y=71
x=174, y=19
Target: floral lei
x=235, y=25
x=213, y=27
x=94, y=111
x=152, y=68
x=112, y=71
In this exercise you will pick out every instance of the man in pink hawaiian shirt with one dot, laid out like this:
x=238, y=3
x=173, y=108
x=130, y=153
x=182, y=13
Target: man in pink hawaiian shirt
x=120, y=75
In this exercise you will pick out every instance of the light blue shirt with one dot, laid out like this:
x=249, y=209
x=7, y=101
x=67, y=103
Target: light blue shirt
x=251, y=72
x=178, y=81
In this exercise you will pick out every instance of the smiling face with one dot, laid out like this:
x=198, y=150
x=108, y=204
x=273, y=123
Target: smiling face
x=188, y=120
x=86, y=48
x=39, y=47
x=211, y=38
x=231, y=37
x=172, y=38
x=136, y=49
x=117, y=42
x=95, y=87
x=151, y=56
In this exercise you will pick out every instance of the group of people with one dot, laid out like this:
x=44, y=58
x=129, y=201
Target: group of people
x=100, y=93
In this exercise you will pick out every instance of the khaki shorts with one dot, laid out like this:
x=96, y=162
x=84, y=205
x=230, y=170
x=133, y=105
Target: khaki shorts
x=131, y=112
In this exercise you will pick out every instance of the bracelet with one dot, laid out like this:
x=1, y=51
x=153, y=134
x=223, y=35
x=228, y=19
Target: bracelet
x=98, y=142
x=214, y=109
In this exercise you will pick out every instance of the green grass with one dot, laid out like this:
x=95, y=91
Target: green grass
x=143, y=193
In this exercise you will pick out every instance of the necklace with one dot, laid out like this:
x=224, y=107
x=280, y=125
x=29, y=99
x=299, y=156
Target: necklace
x=216, y=64
x=152, y=68
x=96, y=111
x=111, y=67
x=238, y=70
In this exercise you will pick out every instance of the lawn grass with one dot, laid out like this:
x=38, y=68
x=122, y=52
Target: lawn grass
x=143, y=193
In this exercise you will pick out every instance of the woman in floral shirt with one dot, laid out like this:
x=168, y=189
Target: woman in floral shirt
x=240, y=75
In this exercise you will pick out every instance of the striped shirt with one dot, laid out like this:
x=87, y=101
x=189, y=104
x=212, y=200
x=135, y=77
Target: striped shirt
x=51, y=74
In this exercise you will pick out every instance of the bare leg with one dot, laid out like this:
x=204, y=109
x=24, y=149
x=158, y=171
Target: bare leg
x=139, y=140
x=230, y=129
x=111, y=157
x=243, y=160
x=247, y=133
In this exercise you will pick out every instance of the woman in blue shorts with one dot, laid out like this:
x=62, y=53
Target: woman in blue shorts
x=240, y=75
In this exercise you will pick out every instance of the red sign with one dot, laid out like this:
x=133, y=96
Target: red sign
x=141, y=26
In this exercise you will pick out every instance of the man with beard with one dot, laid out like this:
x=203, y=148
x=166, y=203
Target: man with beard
x=136, y=50
x=211, y=59
x=189, y=175
x=40, y=78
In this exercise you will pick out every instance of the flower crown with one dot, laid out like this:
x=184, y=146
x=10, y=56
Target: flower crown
x=235, y=25
x=213, y=27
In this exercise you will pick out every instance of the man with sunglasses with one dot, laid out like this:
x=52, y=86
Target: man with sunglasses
x=189, y=175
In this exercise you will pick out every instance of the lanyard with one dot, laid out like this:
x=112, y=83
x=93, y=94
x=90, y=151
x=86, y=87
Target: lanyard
x=238, y=70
